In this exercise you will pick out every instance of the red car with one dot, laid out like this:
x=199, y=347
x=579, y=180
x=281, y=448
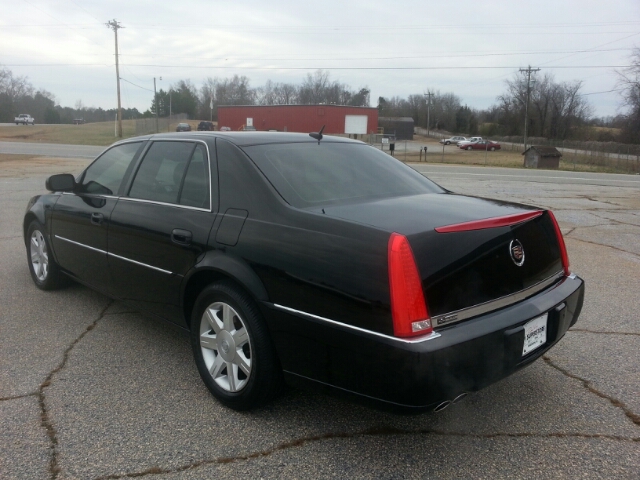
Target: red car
x=481, y=145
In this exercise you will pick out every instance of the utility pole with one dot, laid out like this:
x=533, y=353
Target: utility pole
x=428, y=95
x=528, y=71
x=114, y=25
x=155, y=102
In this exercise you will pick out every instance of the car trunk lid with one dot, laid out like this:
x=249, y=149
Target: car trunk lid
x=468, y=267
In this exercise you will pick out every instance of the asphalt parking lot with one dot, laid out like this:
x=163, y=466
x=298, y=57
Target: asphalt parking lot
x=91, y=389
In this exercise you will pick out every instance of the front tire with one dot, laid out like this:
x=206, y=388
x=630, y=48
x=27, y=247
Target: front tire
x=232, y=348
x=469, y=148
x=44, y=270
x=493, y=149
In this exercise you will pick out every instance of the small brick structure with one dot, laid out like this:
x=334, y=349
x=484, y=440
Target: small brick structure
x=541, y=157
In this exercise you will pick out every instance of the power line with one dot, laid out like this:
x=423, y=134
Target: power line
x=125, y=80
x=239, y=67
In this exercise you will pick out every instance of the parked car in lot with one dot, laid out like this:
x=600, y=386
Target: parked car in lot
x=481, y=145
x=225, y=129
x=183, y=127
x=469, y=140
x=316, y=260
x=454, y=140
x=206, y=126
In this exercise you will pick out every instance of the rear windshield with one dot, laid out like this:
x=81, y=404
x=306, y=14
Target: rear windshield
x=308, y=174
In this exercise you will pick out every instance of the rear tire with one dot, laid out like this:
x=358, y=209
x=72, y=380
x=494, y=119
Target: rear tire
x=232, y=348
x=45, y=272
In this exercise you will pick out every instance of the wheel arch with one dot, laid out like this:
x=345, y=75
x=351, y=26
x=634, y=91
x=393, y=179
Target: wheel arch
x=215, y=267
x=35, y=212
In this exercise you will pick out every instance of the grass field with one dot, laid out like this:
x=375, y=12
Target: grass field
x=102, y=133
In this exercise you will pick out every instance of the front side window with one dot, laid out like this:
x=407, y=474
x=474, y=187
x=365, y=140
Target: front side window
x=104, y=176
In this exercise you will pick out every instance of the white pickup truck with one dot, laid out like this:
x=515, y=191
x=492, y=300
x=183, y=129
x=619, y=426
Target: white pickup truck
x=25, y=119
x=468, y=141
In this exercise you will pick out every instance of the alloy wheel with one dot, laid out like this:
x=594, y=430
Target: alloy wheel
x=39, y=255
x=226, y=346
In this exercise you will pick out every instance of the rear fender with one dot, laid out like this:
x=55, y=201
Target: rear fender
x=217, y=265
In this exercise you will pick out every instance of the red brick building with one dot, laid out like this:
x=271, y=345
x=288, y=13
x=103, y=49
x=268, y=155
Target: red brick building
x=300, y=118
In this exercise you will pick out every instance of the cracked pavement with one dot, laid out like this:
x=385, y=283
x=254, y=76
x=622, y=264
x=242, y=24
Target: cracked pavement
x=91, y=389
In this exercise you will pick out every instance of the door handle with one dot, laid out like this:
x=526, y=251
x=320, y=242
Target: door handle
x=96, y=218
x=181, y=237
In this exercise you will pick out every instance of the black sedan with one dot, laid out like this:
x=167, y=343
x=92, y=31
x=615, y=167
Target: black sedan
x=315, y=260
x=183, y=127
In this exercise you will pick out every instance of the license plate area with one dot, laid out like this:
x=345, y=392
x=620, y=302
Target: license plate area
x=535, y=334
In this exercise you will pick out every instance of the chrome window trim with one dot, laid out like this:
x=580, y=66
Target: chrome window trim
x=153, y=202
x=80, y=244
x=426, y=338
x=140, y=200
x=92, y=195
x=465, y=313
x=114, y=255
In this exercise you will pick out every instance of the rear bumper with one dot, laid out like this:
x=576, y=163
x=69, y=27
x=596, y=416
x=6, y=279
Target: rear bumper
x=465, y=357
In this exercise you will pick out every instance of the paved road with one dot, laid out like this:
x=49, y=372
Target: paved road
x=91, y=389
x=51, y=149
x=521, y=175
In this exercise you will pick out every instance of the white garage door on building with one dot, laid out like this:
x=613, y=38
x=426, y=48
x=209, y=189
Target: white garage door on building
x=355, y=124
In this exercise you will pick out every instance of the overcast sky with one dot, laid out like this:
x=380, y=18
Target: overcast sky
x=396, y=48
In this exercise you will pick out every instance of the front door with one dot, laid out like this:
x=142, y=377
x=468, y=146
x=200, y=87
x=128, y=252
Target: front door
x=80, y=220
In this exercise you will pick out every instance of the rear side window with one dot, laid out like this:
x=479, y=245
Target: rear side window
x=195, y=190
x=160, y=175
x=311, y=174
x=105, y=174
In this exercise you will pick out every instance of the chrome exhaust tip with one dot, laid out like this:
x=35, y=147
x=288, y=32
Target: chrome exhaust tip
x=459, y=397
x=442, y=406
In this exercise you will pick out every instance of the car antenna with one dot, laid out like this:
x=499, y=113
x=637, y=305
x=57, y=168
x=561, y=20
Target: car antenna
x=317, y=135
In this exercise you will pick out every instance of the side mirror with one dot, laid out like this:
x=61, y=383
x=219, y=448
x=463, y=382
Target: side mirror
x=63, y=182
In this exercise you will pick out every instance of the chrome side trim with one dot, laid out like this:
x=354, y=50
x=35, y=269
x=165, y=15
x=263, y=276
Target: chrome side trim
x=465, y=313
x=140, y=263
x=431, y=336
x=114, y=255
x=80, y=244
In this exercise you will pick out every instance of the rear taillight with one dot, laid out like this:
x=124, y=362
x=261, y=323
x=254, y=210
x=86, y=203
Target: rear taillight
x=408, y=307
x=561, y=245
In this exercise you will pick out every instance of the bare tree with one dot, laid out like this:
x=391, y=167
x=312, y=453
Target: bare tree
x=555, y=108
x=629, y=82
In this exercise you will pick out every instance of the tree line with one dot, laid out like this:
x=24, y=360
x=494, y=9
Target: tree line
x=316, y=88
x=556, y=110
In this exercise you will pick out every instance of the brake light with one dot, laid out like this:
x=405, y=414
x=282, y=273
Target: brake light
x=408, y=306
x=561, y=245
x=494, y=222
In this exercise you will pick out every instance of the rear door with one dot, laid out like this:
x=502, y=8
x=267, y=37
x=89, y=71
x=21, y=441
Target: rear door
x=80, y=220
x=161, y=227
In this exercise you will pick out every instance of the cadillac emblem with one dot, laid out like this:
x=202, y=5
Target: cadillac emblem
x=517, y=252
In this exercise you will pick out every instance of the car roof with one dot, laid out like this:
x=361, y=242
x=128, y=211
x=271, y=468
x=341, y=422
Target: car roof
x=247, y=138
